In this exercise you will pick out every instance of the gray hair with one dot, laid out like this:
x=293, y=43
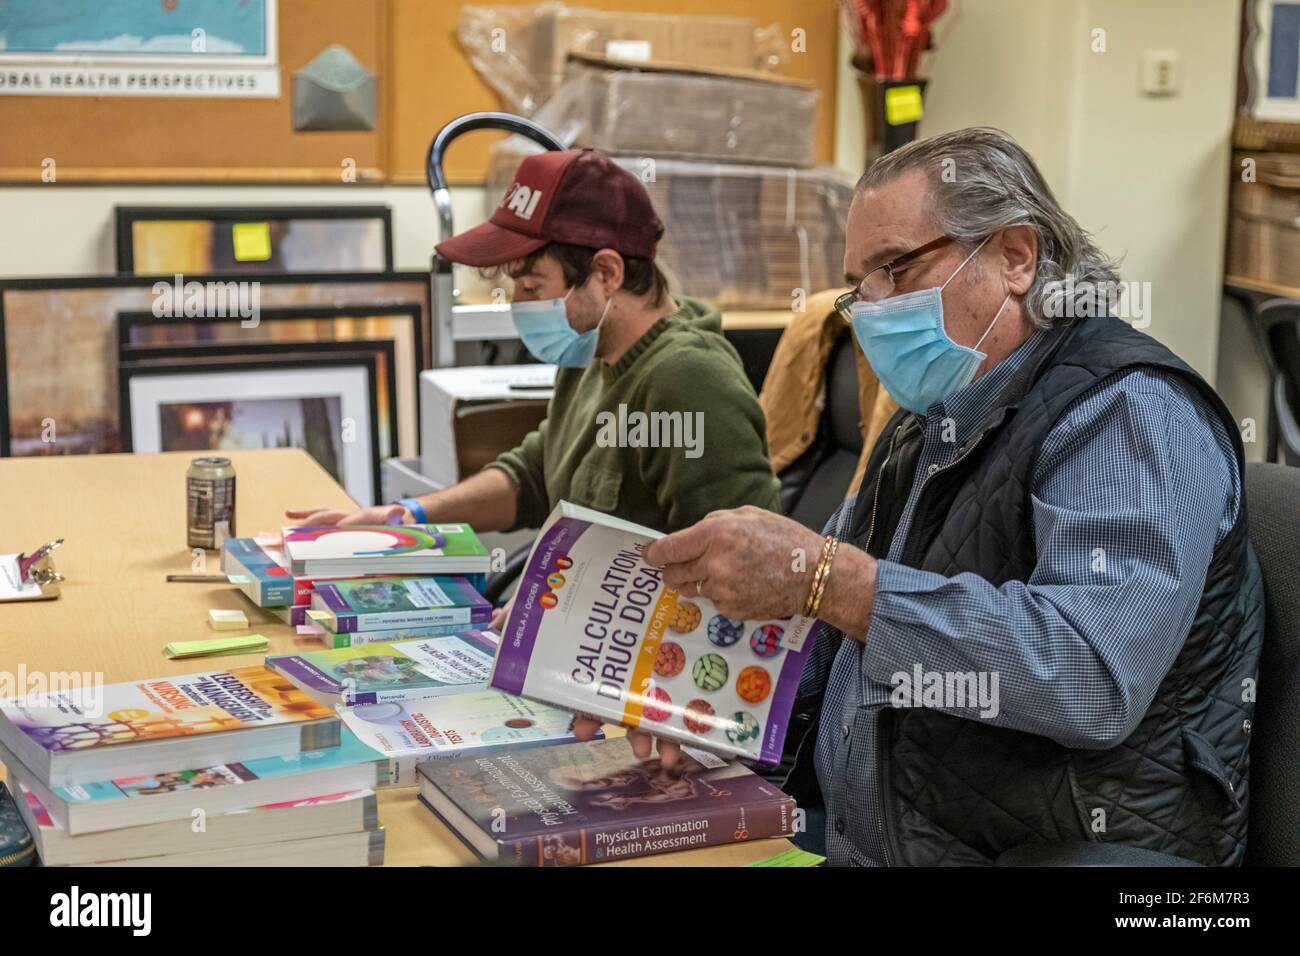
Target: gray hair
x=981, y=180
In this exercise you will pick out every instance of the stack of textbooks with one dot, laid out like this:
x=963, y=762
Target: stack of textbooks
x=424, y=699
x=234, y=767
x=594, y=629
x=381, y=610
x=362, y=583
x=595, y=802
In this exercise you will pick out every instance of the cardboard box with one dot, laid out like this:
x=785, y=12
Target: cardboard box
x=701, y=40
x=1264, y=220
x=684, y=111
x=471, y=415
x=739, y=236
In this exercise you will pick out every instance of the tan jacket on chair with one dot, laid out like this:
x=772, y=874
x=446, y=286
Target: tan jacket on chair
x=794, y=392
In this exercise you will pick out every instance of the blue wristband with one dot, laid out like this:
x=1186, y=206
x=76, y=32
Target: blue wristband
x=413, y=505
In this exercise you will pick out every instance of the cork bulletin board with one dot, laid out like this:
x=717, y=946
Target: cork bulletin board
x=425, y=80
x=184, y=139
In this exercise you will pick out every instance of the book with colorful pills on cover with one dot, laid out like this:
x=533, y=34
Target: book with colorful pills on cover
x=82, y=734
x=386, y=549
x=375, y=604
x=592, y=628
x=392, y=672
x=593, y=802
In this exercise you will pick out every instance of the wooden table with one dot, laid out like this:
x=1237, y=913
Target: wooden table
x=123, y=521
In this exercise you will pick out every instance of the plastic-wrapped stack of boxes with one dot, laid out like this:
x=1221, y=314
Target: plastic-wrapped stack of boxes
x=1264, y=223
x=727, y=155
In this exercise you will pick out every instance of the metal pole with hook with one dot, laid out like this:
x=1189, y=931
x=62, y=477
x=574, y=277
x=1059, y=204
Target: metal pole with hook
x=442, y=287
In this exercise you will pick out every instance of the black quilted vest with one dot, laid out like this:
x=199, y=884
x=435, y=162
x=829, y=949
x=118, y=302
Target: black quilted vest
x=958, y=791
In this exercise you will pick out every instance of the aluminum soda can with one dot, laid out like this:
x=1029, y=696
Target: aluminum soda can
x=210, y=495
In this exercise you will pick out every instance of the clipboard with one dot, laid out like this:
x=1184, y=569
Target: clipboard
x=42, y=579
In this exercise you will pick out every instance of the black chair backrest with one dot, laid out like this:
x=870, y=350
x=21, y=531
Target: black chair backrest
x=1273, y=501
x=814, y=485
x=1279, y=329
x=755, y=348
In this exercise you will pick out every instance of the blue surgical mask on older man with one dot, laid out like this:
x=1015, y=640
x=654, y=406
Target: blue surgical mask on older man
x=545, y=331
x=905, y=342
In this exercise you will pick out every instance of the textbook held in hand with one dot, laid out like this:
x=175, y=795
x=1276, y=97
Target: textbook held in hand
x=593, y=628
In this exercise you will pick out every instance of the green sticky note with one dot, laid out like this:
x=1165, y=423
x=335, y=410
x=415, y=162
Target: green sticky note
x=792, y=857
x=243, y=644
x=252, y=241
x=902, y=105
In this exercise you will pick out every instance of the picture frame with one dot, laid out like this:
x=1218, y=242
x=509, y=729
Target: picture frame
x=1271, y=60
x=320, y=400
x=382, y=350
x=58, y=341
x=161, y=240
x=141, y=334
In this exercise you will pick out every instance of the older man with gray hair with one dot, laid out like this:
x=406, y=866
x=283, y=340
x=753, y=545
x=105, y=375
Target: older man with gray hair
x=1053, y=520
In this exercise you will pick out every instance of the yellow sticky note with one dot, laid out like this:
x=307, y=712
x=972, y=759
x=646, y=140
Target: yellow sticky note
x=902, y=105
x=252, y=241
x=244, y=644
x=222, y=619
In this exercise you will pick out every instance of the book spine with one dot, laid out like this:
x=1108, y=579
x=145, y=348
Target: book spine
x=648, y=837
x=330, y=602
x=398, y=772
x=305, y=673
x=387, y=620
x=263, y=589
x=394, y=634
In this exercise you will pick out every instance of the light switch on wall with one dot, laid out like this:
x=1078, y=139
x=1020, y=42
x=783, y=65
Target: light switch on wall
x=1160, y=73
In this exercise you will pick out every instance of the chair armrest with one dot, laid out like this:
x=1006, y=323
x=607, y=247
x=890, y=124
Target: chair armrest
x=1082, y=853
x=499, y=582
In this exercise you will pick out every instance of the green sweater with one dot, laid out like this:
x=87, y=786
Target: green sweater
x=680, y=385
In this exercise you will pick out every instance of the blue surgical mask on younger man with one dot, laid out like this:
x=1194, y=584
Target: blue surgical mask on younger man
x=905, y=342
x=545, y=331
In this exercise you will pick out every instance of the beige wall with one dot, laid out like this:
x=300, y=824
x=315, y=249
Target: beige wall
x=68, y=230
x=1148, y=176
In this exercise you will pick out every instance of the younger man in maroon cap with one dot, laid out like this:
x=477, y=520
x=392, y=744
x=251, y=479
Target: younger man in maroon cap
x=653, y=418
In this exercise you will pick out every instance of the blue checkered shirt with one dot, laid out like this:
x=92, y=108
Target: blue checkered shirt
x=1134, y=487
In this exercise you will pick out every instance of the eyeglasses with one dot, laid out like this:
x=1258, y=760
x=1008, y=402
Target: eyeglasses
x=879, y=283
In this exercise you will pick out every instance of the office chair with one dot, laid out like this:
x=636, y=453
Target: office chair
x=1273, y=496
x=814, y=484
x=1279, y=330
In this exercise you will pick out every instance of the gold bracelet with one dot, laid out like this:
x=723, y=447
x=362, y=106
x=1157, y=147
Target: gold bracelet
x=819, y=581
x=817, y=573
x=826, y=575
x=822, y=572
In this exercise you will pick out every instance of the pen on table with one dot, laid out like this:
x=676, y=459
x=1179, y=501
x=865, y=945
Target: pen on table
x=197, y=578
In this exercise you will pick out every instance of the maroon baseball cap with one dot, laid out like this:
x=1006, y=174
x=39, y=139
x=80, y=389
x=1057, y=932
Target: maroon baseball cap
x=579, y=197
